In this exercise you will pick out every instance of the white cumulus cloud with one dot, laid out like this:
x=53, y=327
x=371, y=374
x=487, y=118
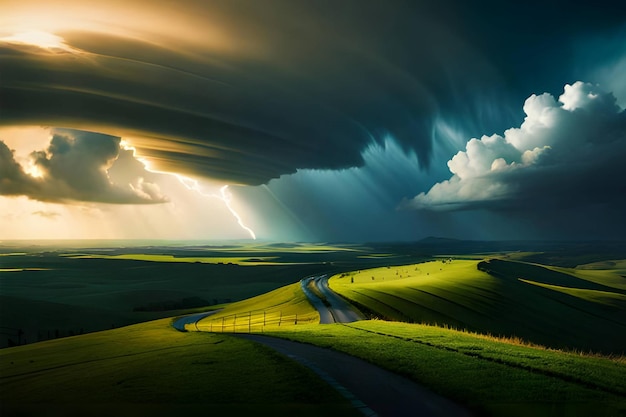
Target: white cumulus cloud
x=566, y=151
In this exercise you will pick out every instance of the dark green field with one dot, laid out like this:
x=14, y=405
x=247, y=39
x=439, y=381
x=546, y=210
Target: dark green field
x=49, y=291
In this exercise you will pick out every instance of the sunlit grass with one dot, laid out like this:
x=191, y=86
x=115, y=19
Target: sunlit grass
x=499, y=376
x=426, y=292
x=602, y=297
x=559, y=307
x=244, y=261
x=424, y=272
x=284, y=306
x=607, y=273
x=23, y=269
x=617, y=264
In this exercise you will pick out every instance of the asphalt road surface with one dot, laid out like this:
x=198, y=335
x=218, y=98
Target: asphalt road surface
x=372, y=390
x=332, y=308
x=179, y=323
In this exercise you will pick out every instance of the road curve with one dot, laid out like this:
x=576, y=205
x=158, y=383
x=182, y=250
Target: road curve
x=180, y=322
x=372, y=390
x=333, y=308
x=326, y=316
x=343, y=311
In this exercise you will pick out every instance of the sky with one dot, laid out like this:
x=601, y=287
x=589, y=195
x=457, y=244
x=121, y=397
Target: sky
x=289, y=120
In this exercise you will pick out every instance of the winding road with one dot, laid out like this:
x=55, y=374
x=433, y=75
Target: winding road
x=371, y=389
x=331, y=307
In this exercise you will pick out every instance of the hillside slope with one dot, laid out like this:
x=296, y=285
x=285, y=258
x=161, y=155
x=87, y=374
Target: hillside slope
x=152, y=369
x=539, y=304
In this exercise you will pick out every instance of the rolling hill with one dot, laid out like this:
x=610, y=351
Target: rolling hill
x=561, y=308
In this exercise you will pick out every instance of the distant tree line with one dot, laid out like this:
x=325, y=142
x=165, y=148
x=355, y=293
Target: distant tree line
x=17, y=337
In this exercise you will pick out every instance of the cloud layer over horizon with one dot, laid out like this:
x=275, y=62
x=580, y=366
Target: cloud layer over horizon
x=244, y=92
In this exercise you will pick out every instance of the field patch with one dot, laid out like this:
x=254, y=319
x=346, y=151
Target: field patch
x=244, y=261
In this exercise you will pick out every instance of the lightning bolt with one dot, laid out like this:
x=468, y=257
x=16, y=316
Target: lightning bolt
x=225, y=196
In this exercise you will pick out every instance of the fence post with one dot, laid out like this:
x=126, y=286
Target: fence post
x=235, y=324
x=280, y=318
x=222, y=324
x=296, y=322
x=263, y=318
x=249, y=321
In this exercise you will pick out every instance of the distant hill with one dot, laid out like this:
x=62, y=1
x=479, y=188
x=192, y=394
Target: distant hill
x=438, y=240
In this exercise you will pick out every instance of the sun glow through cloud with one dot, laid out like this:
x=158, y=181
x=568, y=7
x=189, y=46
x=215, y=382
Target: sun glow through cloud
x=184, y=208
x=40, y=39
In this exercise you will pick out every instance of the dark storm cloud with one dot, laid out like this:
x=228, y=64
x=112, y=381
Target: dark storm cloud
x=13, y=179
x=567, y=153
x=287, y=84
x=75, y=168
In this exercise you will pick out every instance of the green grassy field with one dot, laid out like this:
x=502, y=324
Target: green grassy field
x=152, y=369
x=562, y=308
x=491, y=376
x=285, y=306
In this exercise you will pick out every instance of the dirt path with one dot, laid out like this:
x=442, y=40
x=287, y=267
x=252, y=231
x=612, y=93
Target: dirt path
x=373, y=390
